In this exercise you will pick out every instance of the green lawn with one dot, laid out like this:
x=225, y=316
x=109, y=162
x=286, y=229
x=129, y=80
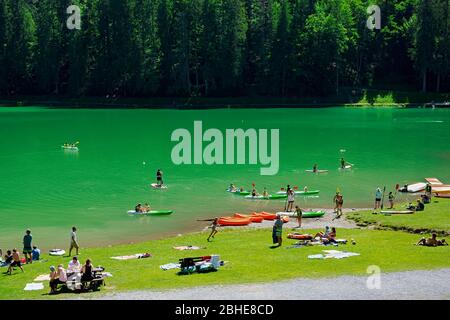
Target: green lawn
x=249, y=259
x=436, y=218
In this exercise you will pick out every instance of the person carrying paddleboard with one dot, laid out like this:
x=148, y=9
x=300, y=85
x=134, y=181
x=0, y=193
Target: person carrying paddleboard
x=159, y=179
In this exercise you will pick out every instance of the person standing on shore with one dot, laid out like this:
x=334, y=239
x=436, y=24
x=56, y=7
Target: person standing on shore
x=391, y=200
x=159, y=179
x=291, y=199
x=73, y=241
x=278, y=226
x=378, y=196
x=299, y=214
x=27, y=248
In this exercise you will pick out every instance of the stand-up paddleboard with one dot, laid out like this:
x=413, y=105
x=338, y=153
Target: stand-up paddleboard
x=317, y=171
x=152, y=212
x=306, y=214
x=388, y=212
x=157, y=186
x=443, y=195
x=302, y=193
x=270, y=197
x=57, y=252
x=347, y=167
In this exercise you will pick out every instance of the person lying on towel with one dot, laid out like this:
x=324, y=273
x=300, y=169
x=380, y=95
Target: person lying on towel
x=432, y=242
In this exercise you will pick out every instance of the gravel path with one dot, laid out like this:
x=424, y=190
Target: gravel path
x=394, y=286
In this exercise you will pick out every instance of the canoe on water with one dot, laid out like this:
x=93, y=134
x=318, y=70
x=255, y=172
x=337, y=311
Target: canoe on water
x=152, y=212
x=306, y=214
x=301, y=193
x=396, y=212
x=318, y=171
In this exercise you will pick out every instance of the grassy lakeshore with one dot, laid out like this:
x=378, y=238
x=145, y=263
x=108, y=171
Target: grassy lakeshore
x=435, y=218
x=249, y=260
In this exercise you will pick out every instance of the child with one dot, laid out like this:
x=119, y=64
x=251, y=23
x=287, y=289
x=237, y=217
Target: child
x=391, y=200
x=36, y=253
x=214, y=228
x=16, y=261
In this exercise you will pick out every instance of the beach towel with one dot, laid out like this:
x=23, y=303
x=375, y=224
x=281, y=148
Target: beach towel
x=34, y=286
x=333, y=254
x=134, y=256
x=170, y=266
x=188, y=248
x=42, y=277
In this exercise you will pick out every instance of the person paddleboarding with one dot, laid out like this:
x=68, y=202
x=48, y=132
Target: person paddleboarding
x=159, y=179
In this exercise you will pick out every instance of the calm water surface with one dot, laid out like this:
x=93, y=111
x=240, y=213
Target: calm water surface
x=47, y=189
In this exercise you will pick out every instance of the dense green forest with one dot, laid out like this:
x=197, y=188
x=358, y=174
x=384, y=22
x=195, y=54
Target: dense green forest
x=293, y=48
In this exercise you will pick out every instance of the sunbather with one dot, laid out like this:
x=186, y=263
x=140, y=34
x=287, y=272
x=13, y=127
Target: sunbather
x=432, y=242
x=323, y=234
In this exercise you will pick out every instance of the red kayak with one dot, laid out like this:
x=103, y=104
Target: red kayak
x=233, y=221
x=253, y=218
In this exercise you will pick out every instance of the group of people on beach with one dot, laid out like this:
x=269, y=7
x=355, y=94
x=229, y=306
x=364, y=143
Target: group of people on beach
x=12, y=258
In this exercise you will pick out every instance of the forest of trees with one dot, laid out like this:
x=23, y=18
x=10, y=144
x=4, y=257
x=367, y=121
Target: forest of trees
x=156, y=48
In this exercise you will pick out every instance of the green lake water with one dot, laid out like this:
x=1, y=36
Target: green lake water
x=47, y=189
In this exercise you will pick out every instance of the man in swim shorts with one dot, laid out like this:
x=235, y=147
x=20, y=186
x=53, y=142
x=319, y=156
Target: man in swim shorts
x=27, y=248
x=73, y=241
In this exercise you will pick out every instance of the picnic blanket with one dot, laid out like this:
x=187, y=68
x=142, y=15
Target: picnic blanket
x=34, y=286
x=133, y=256
x=169, y=266
x=42, y=277
x=333, y=254
x=188, y=248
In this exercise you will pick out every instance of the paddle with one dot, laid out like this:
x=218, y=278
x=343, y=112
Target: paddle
x=382, y=198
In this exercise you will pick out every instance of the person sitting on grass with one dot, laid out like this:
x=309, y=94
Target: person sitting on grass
x=330, y=237
x=16, y=261
x=36, y=253
x=8, y=258
x=213, y=228
x=420, y=206
x=432, y=242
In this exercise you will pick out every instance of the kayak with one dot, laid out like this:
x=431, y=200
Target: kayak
x=253, y=218
x=57, y=252
x=306, y=214
x=265, y=215
x=270, y=197
x=240, y=193
x=152, y=212
x=157, y=186
x=302, y=193
x=442, y=195
x=396, y=212
x=232, y=221
x=441, y=189
x=70, y=148
x=299, y=236
x=416, y=187
x=318, y=171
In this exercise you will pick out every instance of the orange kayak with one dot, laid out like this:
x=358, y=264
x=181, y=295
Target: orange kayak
x=442, y=195
x=253, y=218
x=233, y=221
x=265, y=215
